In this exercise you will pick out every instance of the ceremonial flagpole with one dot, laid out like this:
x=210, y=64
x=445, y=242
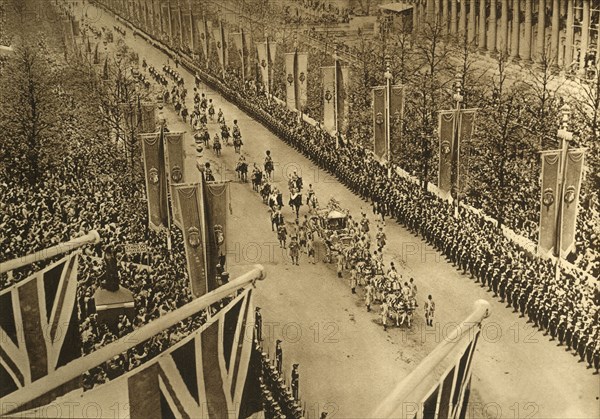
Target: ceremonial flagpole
x=163, y=121
x=335, y=97
x=388, y=98
x=458, y=97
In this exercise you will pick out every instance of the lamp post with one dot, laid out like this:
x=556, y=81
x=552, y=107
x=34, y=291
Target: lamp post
x=388, y=87
x=565, y=137
x=458, y=98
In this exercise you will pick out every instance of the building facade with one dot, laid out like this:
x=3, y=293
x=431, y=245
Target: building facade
x=563, y=31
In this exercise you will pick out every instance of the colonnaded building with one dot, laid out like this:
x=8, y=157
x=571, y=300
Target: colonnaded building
x=564, y=31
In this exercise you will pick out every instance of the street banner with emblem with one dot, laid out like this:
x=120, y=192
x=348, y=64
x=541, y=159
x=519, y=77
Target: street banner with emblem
x=341, y=93
x=185, y=28
x=217, y=208
x=549, y=205
x=379, y=143
x=440, y=386
x=301, y=80
x=193, y=30
x=328, y=75
x=463, y=145
x=290, y=80
x=396, y=113
x=191, y=203
x=175, y=165
x=239, y=40
x=221, y=44
x=147, y=118
x=175, y=28
x=573, y=179
x=261, y=48
x=156, y=181
x=446, y=128
x=39, y=325
x=205, y=39
x=165, y=24
x=272, y=48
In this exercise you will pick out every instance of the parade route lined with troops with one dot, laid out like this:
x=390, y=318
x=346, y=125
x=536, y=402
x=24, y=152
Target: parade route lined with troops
x=327, y=330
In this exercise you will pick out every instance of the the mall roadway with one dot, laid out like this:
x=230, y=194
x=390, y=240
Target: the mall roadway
x=347, y=362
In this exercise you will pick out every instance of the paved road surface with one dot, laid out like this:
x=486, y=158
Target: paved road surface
x=347, y=362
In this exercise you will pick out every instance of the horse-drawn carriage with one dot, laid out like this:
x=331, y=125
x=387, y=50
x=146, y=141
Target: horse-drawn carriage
x=333, y=222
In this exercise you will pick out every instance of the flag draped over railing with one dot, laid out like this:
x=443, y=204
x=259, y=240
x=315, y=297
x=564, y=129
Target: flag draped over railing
x=203, y=375
x=39, y=327
x=440, y=385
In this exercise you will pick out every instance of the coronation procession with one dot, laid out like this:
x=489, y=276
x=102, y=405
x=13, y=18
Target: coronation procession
x=300, y=208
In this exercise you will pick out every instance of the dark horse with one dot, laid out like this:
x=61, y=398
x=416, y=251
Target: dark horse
x=296, y=203
x=242, y=171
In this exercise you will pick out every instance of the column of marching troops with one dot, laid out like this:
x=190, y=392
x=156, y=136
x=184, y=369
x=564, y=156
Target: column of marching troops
x=472, y=243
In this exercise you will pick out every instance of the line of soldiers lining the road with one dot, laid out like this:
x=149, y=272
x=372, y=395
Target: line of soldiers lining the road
x=565, y=306
x=279, y=401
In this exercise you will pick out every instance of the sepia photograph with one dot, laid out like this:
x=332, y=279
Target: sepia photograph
x=300, y=209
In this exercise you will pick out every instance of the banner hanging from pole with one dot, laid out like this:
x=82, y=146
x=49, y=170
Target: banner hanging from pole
x=572, y=186
x=156, y=182
x=446, y=128
x=548, y=201
x=328, y=77
x=217, y=208
x=379, y=140
x=467, y=127
x=301, y=80
x=191, y=204
x=290, y=80
x=175, y=168
x=261, y=49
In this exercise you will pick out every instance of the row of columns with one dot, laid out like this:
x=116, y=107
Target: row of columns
x=513, y=37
